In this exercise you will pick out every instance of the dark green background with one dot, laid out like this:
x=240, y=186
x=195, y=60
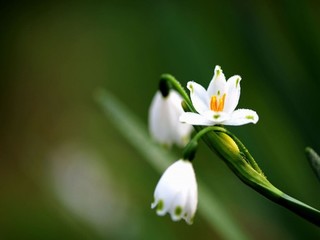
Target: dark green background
x=66, y=173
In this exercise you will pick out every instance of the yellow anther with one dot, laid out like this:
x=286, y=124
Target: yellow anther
x=221, y=103
x=214, y=103
x=217, y=105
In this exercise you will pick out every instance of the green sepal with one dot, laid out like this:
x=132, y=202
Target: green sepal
x=164, y=87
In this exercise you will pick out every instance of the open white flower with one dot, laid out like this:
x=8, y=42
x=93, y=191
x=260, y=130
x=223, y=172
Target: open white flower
x=177, y=192
x=217, y=104
x=164, y=124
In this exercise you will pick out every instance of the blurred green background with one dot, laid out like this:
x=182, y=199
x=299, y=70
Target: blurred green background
x=66, y=172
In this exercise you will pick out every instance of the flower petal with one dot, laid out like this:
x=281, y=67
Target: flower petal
x=195, y=119
x=216, y=117
x=169, y=184
x=178, y=205
x=192, y=202
x=158, y=129
x=241, y=117
x=217, y=85
x=164, y=124
x=175, y=187
x=232, y=94
x=199, y=96
x=180, y=132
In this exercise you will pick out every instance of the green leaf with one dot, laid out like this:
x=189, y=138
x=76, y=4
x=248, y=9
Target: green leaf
x=314, y=161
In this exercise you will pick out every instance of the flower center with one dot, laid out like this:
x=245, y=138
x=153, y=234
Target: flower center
x=217, y=103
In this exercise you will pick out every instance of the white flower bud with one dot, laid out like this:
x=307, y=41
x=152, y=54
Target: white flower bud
x=164, y=124
x=177, y=192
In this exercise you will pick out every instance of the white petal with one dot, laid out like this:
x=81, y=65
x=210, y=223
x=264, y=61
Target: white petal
x=173, y=188
x=158, y=129
x=187, y=197
x=164, y=124
x=175, y=99
x=159, y=126
x=180, y=132
x=199, y=97
x=241, y=117
x=192, y=202
x=217, y=85
x=166, y=189
x=232, y=94
x=178, y=205
x=195, y=119
x=173, y=179
x=216, y=117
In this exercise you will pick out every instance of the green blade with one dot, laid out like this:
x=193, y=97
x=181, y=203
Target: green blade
x=314, y=161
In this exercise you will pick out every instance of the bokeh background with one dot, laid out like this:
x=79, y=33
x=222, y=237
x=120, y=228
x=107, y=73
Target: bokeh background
x=67, y=173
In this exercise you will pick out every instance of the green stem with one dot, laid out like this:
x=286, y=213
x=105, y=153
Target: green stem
x=190, y=149
x=204, y=131
x=258, y=181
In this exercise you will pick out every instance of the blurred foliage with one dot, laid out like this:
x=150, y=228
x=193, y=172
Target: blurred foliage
x=66, y=173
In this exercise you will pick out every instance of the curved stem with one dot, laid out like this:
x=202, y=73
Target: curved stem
x=204, y=131
x=190, y=149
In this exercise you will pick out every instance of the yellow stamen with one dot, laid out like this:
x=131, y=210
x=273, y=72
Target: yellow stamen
x=213, y=103
x=221, y=103
x=216, y=105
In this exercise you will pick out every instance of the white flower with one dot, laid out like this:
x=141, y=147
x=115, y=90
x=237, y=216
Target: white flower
x=164, y=124
x=217, y=104
x=177, y=192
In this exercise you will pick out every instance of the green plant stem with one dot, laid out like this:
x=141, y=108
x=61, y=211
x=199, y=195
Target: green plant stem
x=258, y=181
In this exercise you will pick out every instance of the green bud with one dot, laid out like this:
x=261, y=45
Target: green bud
x=228, y=142
x=184, y=106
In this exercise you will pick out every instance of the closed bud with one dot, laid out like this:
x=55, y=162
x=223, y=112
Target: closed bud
x=228, y=142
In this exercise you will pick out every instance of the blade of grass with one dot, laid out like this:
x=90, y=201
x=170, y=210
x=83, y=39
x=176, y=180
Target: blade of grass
x=314, y=161
x=136, y=133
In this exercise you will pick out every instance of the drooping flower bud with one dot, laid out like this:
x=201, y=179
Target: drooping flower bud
x=177, y=192
x=164, y=124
